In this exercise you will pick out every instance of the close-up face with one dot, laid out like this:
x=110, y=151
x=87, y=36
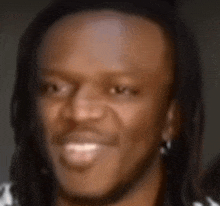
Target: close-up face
x=106, y=81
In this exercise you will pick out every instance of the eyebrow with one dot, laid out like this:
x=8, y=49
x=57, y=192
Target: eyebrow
x=132, y=73
x=109, y=76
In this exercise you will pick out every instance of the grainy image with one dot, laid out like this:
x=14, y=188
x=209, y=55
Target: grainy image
x=108, y=108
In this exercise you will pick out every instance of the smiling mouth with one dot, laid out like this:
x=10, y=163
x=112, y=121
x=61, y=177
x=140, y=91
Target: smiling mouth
x=85, y=139
x=83, y=149
x=82, y=155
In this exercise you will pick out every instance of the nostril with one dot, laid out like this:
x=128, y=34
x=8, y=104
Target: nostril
x=89, y=110
x=86, y=104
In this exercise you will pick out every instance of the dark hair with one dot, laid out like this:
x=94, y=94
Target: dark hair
x=182, y=161
x=209, y=183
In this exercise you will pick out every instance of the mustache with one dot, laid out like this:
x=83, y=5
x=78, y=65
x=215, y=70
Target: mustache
x=85, y=135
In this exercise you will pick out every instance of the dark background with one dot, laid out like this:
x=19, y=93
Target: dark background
x=202, y=17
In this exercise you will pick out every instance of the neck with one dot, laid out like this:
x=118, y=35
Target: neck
x=148, y=192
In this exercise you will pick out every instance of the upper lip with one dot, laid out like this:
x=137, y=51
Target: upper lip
x=86, y=137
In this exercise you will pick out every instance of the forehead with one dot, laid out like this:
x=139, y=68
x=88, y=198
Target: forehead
x=110, y=37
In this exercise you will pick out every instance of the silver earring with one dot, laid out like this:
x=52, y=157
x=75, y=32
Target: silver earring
x=168, y=144
x=165, y=147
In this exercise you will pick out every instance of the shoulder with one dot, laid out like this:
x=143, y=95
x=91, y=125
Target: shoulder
x=209, y=201
x=209, y=182
x=6, y=198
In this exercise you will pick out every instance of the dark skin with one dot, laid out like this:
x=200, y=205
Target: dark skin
x=106, y=105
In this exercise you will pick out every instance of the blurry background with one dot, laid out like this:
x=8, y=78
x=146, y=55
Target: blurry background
x=202, y=17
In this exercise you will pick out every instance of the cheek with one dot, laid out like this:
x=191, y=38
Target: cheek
x=144, y=118
x=141, y=132
x=49, y=113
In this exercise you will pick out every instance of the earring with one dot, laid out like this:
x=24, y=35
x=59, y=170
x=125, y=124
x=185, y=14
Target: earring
x=168, y=144
x=165, y=147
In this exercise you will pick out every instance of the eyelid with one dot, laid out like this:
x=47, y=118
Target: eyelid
x=57, y=79
x=63, y=88
x=124, y=90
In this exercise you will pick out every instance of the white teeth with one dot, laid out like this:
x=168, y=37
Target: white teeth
x=81, y=147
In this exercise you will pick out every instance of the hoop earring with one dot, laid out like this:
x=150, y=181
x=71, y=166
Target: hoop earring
x=165, y=147
x=168, y=144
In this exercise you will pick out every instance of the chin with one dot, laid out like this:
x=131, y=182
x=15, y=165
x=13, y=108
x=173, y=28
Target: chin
x=103, y=195
x=99, y=197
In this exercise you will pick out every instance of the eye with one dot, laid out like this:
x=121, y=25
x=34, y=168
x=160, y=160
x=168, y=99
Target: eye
x=123, y=90
x=47, y=87
x=54, y=89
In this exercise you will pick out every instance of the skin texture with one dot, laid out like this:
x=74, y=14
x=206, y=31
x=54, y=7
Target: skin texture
x=111, y=75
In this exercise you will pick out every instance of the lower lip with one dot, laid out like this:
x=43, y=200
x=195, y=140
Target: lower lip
x=81, y=154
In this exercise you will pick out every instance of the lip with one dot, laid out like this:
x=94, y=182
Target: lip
x=86, y=137
x=81, y=155
x=79, y=150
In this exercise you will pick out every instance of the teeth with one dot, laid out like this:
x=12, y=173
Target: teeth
x=82, y=147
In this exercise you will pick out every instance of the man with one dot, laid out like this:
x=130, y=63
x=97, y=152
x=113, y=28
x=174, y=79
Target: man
x=115, y=111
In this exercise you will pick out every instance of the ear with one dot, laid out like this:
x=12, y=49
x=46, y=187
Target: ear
x=173, y=122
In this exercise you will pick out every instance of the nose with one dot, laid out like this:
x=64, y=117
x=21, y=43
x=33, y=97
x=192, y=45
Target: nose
x=87, y=104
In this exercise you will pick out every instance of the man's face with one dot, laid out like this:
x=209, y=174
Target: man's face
x=106, y=81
